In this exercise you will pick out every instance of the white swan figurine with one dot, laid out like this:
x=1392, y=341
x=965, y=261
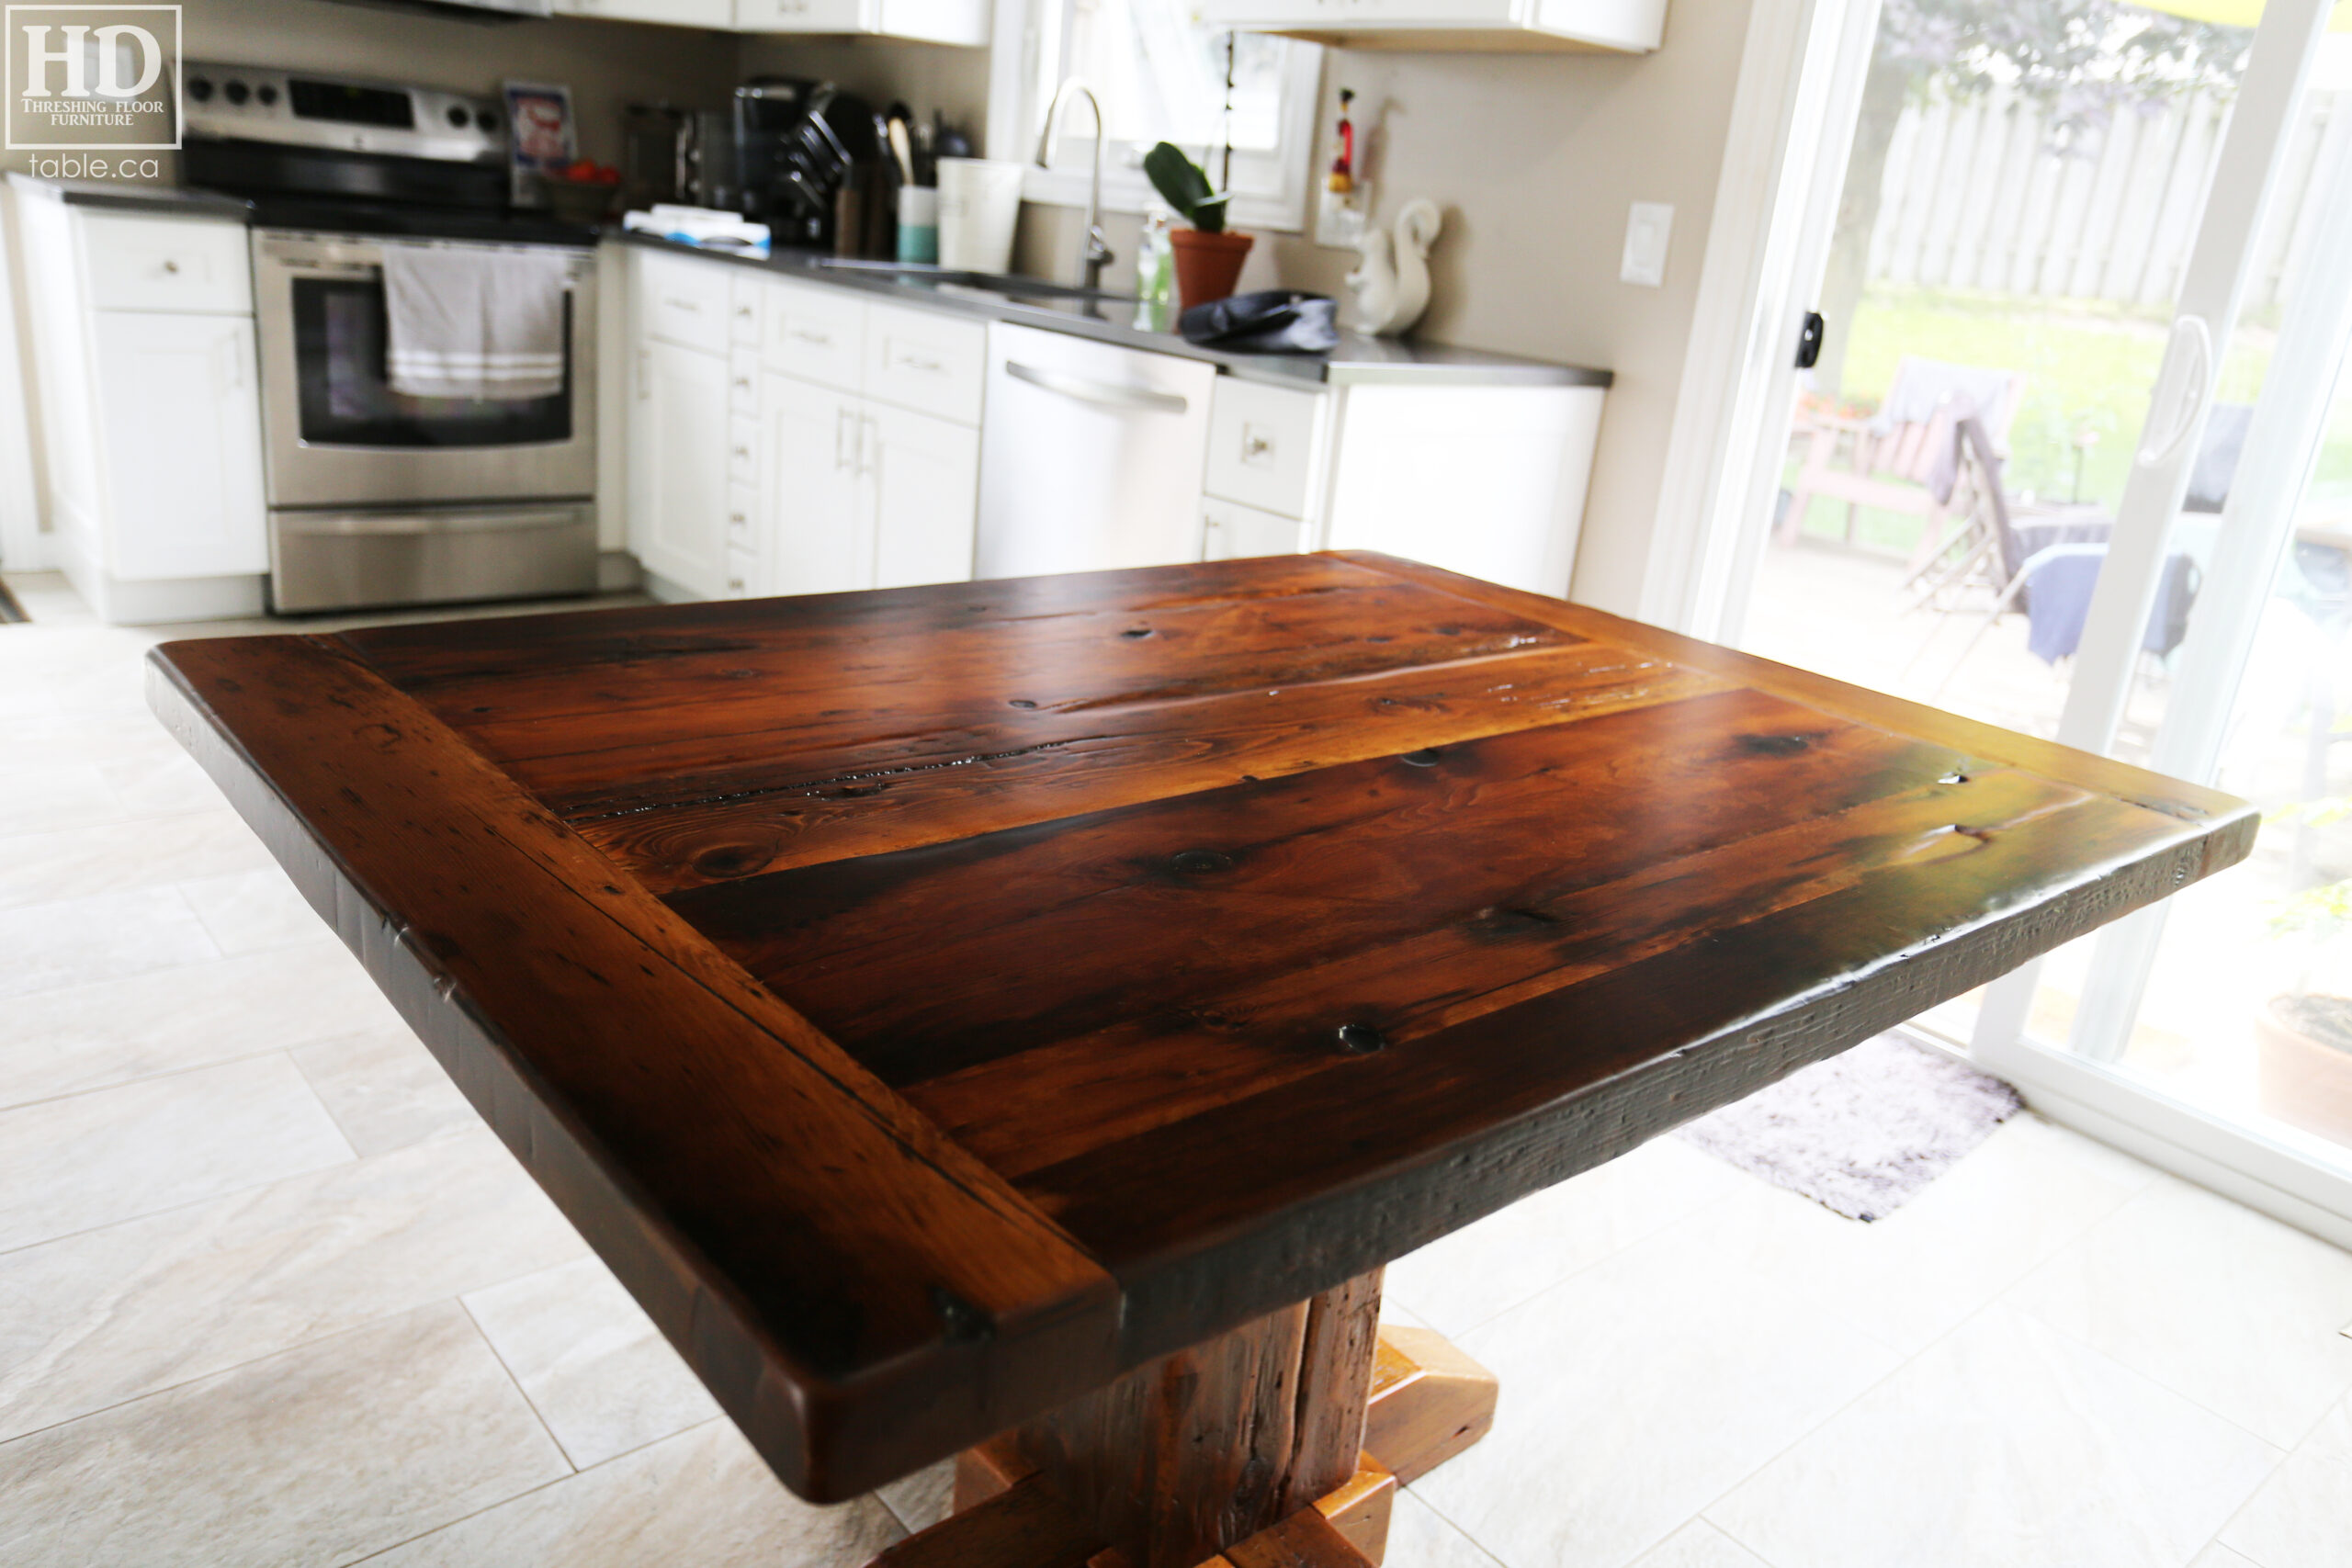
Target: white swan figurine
x=1391, y=281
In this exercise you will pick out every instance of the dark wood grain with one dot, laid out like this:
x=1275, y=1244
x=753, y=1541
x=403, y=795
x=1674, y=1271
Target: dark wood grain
x=939, y=1004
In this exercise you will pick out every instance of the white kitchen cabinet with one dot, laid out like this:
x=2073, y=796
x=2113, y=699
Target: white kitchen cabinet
x=1488, y=481
x=143, y=354
x=1232, y=531
x=177, y=397
x=869, y=496
x=816, y=533
x=674, y=13
x=678, y=467
x=933, y=21
x=1632, y=27
x=922, y=475
x=930, y=21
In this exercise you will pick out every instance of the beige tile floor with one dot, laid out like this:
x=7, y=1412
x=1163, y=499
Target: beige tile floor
x=270, y=1293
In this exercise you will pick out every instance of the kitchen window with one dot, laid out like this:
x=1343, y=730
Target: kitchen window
x=1160, y=75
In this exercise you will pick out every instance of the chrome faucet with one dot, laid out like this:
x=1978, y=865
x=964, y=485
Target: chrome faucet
x=1098, y=251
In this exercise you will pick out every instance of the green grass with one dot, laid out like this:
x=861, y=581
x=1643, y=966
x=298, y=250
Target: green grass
x=2088, y=366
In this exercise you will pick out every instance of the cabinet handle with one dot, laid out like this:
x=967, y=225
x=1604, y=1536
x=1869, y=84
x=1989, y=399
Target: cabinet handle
x=171, y=266
x=688, y=306
x=744, y=311
x=735, y=585
x=869, y=445
x=916, y=362
x=841, y=459
x=1254, y=444
x=822, y=340
x=744, y=382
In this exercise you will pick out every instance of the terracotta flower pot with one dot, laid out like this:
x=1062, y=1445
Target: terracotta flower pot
x=1207, y=266
x=2305, y=1077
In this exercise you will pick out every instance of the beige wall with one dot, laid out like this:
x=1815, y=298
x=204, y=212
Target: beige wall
x=1534, y=159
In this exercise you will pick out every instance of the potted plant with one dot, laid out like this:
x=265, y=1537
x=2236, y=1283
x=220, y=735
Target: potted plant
x=1208, y=259
x=2303, y=1037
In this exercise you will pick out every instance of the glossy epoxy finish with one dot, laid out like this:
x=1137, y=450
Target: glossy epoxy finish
x=934, y=1002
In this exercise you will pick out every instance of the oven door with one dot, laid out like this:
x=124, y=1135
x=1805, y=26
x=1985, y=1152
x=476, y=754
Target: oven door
x=336, y=435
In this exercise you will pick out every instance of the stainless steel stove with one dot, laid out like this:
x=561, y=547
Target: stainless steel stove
x=375, y=497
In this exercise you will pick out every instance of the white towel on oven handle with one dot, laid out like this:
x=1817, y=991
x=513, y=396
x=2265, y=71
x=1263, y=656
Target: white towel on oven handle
x=474, y=321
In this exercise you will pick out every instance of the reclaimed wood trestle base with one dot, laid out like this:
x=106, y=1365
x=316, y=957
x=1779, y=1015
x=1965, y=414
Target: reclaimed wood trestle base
x=1278, y=1445
x=948, y=1009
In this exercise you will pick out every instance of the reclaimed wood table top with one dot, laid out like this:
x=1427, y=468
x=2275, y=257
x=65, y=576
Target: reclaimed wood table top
x=934, y=1002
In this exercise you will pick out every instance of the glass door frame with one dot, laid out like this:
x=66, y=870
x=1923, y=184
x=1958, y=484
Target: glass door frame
x=2279, y=1174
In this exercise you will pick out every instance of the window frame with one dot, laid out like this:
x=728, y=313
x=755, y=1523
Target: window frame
x=1273, y=196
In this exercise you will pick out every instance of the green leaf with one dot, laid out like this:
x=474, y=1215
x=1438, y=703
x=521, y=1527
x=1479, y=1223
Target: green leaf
x=1208, y=214
x=1181, y=185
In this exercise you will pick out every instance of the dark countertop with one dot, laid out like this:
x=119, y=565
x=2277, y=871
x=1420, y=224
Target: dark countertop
x=168, y=200
x=1358, y=361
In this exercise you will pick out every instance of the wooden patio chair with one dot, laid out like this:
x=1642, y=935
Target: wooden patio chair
x=1900, y=458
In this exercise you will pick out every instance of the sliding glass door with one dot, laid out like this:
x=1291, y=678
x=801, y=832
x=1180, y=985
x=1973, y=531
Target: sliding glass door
x=2144, y=546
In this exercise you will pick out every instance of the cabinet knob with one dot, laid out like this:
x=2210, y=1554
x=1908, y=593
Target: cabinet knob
x=170, y=265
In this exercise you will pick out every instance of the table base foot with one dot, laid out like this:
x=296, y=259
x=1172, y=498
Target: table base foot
x=1428, y=1402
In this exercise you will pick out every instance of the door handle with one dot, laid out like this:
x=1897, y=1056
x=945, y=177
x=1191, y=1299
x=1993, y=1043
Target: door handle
x=1809, y=340
x=1102, y=394
x=2182, y=386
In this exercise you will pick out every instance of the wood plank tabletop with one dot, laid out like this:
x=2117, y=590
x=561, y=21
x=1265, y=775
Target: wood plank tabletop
x=935, y=1002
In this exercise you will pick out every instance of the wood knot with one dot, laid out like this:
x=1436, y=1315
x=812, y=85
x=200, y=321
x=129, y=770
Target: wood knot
x=1774, y=745
x=1200, y=863
x=1136, y=634
x=1020, y=702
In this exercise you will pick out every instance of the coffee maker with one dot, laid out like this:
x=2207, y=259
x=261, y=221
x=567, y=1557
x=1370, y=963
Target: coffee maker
x=686, y=157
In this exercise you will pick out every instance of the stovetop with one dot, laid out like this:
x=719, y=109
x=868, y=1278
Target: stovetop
x=417, y=221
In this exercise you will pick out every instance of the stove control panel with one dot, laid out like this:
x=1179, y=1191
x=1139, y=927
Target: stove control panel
x=260, y=103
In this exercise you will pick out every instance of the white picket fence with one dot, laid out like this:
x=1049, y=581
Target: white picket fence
x=1977, y=197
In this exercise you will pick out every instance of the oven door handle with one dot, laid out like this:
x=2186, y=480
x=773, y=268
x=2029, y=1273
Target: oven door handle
x=417, y=524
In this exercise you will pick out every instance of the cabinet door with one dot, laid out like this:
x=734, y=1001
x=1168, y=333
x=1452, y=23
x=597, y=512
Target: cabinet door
x=923, y=478
x=1231, y=531
x=677, y=470
x=180, y=428
x=676, y=13
x=815, y=537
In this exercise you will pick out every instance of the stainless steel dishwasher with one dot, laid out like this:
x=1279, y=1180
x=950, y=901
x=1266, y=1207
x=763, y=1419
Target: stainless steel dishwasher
x=1090, y=456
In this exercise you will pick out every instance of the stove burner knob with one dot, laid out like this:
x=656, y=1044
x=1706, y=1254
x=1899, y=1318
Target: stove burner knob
x=457, y=115
x=236, y=92
x=265, y=95
x=487, y=119
x=199, y=89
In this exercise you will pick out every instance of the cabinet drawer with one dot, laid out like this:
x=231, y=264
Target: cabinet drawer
x=929, y=363
x=745, y=291
x=683, y=302
x=1265, y=446
x=802, y=17
x=743, y=449
x=743, y=379
x=166, y=264
x=1231, y=531
x=818, y=334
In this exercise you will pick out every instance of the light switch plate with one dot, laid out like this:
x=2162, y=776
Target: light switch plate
x=1339, y=220
x=1648, y=228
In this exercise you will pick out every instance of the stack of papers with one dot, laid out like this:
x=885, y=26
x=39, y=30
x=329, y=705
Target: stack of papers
x=699, y=226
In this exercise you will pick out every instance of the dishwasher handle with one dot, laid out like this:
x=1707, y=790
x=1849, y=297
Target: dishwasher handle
x=1105, y=394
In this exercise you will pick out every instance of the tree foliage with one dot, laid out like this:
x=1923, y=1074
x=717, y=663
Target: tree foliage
x=2079, y=59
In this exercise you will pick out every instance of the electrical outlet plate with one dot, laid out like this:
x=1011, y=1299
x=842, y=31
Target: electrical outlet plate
x=1339, y=220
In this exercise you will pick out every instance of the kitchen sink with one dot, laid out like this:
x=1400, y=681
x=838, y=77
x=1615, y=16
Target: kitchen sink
x=994, y=282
